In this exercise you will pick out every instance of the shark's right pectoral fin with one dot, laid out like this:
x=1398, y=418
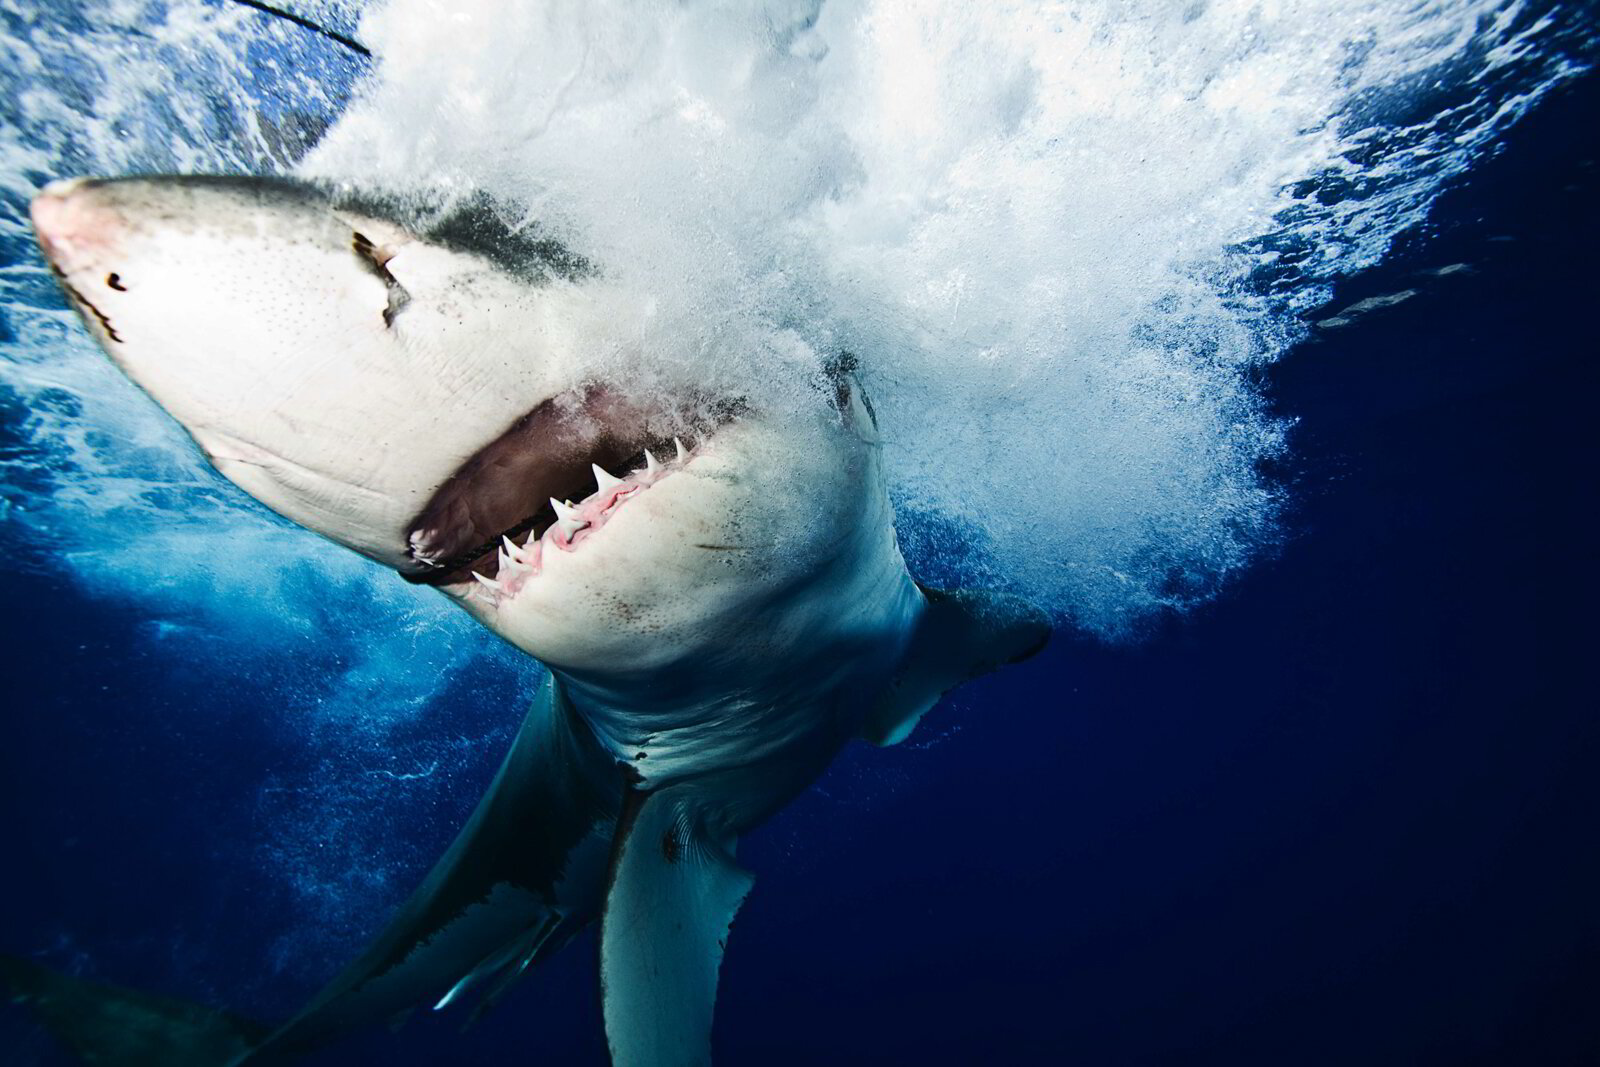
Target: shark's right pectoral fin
x=674, y=891
x=964, y=633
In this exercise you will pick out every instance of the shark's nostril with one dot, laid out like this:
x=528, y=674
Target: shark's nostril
x=114, y=280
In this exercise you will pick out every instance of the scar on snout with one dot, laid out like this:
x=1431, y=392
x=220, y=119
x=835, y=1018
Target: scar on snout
x=724, y=548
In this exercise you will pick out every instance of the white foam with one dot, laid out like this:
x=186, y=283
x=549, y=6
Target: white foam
x=1032, y=223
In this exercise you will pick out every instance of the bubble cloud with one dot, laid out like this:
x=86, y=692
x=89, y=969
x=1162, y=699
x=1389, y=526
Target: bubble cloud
x=1058, y=237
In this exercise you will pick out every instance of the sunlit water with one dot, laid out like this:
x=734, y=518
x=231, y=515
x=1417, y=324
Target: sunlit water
x=1062, y=240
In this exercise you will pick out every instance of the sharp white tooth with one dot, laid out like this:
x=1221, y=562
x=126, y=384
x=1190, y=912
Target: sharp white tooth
x=507, y=562
x=510, y=551
x=603, y=478
x=489, y=582
x=651, y=466
x=533, y=539
x=567, y=518
x=683, y=453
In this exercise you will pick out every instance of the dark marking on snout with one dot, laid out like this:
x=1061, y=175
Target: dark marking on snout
x=114, y=280
x=88, y=305
x=484, y=226
x=725, y=548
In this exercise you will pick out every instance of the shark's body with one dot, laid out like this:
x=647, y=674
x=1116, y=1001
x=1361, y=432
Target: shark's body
x=718, y=621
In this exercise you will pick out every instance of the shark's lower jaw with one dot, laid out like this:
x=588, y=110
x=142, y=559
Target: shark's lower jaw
x=512, y=566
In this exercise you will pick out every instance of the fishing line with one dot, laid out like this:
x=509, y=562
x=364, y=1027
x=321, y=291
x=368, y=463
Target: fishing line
x=299, y=20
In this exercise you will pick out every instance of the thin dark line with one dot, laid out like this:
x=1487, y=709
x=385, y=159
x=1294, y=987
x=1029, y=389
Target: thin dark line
x=332, y=35
x=111, y=331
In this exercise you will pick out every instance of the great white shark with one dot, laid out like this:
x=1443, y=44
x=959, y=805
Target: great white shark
x=713, y=585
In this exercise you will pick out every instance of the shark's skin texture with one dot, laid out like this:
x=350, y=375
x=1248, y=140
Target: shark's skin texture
x=718, y=616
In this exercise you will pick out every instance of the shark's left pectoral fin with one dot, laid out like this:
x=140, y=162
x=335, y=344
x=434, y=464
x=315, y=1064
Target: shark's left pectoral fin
x=522, y=877
x=673, y=894
x=964, y=633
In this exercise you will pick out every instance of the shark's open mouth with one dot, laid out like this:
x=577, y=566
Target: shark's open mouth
x=514, y=564
x=593, y=447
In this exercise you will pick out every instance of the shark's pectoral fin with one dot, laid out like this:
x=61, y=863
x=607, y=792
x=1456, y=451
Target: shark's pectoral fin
x=523, y=876
x=674, y=891
x=963, y=634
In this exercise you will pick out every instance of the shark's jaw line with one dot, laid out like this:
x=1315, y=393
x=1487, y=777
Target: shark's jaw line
x=575, y=524
x=515, y=489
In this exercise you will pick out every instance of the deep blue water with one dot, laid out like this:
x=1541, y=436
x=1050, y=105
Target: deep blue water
x=1345, y=814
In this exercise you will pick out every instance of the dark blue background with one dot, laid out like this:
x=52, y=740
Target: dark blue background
x=1344, y=815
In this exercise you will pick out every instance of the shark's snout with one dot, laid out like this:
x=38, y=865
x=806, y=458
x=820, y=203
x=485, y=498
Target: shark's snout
x=76, y=230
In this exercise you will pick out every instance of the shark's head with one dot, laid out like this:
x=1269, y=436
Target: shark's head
x=427, y=397
x=401, y=395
